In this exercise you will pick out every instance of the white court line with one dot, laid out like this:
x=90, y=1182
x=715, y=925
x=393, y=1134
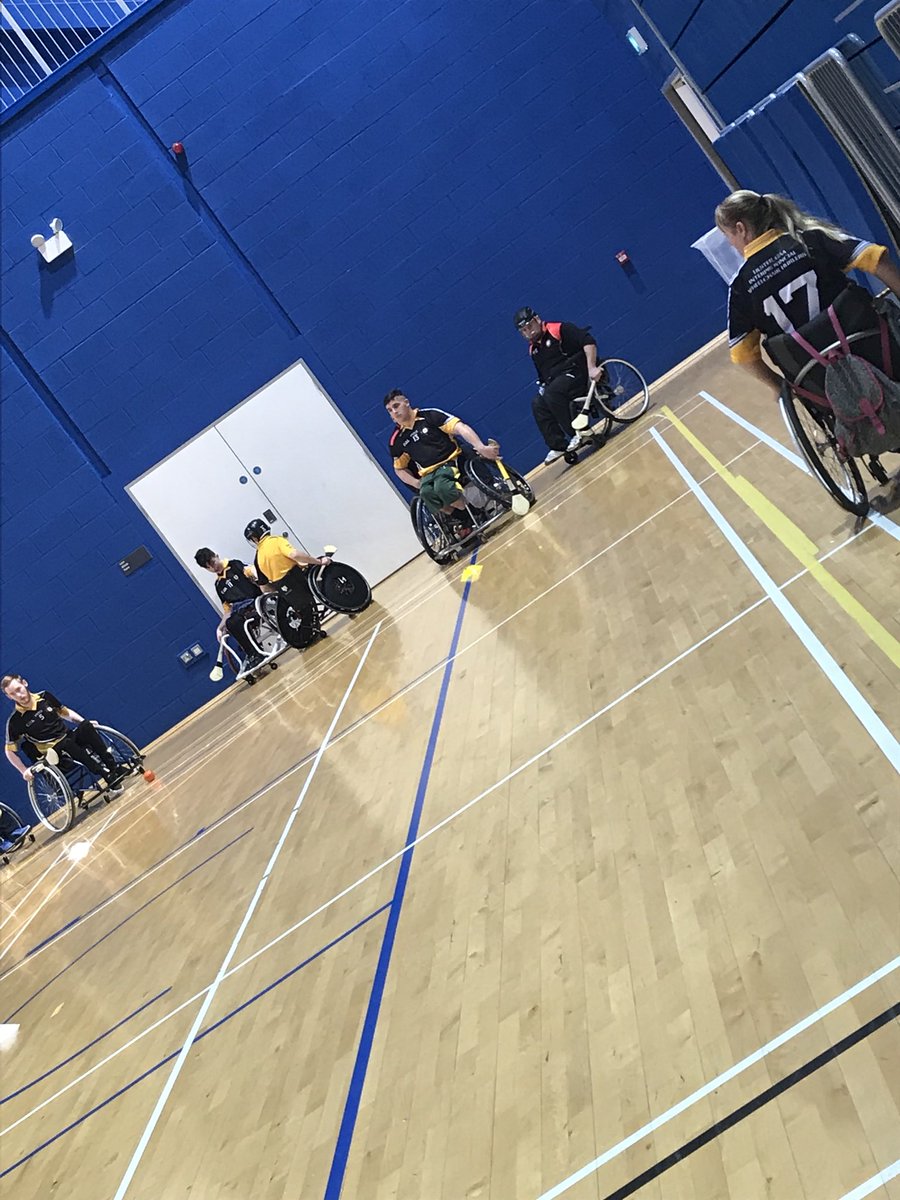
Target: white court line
x=334, y=900
x=376, y=711
x=883, y=738
x=232, y=950
x=73, y=866
x=726, y=1076
x=12, y=912
x=890, y=527
x=875, y=1183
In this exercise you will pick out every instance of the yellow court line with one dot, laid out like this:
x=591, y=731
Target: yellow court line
x=796, y=542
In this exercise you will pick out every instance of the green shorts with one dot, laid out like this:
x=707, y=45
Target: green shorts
x=440, y=487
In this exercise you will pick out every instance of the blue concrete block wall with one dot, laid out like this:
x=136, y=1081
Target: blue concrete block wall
x=373, y=189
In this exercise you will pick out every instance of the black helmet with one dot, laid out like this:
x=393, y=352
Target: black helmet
x=256, y=529
x=523, y=316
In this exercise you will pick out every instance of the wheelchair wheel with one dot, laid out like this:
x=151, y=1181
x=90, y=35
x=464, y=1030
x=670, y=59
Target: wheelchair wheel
x=297, y=626
x=487, y=478
x=264, y=633
x=341, y=587
x=812, y=429
x=431, y=533
x=623, y=393
x=51, y=798
x=122, y=748
x=13, y=832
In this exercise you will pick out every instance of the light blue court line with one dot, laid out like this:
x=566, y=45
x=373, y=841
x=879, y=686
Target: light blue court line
x=125, y=921
x=364, y=1052
x=885, y=523
x=7, y=1170
x=883, y=738
x=65, y=1062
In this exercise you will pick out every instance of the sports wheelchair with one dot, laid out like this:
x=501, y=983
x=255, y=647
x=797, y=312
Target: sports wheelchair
x=806, y=411
x=273, y=623
x=490, y=490
x=14, y=832
x=59, y=783
x=620, y=394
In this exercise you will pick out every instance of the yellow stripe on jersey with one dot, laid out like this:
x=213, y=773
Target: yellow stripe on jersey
x=868, y=260
x=747, y=349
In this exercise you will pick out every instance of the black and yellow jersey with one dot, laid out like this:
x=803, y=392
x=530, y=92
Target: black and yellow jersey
x=787, y=281
x=427, y=443
x=236, y=582
x=41, y=723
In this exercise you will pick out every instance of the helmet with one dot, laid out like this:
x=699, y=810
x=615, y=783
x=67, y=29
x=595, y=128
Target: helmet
x=523, y=316
x=256, y=529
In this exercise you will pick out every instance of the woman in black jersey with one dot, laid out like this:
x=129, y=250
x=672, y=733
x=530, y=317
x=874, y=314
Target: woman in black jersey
x=795, y=267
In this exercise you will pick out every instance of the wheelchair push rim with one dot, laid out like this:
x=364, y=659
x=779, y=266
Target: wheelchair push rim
x=51, y=798
x=621, y=393
x=341, y=588
x=485, y=474
x=811, y=433
x=431, y=534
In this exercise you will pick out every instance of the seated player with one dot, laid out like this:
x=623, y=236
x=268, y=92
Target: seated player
x=40, y=718
x=237, y=588
x=280, y=567
x=425, y=450
x=565, y=359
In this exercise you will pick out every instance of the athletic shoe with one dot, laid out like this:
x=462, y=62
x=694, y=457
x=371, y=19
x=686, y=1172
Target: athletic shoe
x=574, y=444
x=114, y=791
x=552, y=456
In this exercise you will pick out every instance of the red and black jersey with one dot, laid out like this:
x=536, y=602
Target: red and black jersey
x=560, y=348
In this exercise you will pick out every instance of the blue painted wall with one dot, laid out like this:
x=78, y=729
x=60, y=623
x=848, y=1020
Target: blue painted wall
x=374, y=189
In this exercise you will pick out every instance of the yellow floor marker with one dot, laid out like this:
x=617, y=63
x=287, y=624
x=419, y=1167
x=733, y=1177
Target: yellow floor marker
x=471, y=573
x=794, y=540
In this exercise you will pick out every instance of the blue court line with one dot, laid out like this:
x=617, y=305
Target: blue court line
x=367, y=1037
x=65, y=1062
x=125, y=921
x=203, y=1033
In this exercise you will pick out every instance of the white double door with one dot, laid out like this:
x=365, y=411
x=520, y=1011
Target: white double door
x=286, y=455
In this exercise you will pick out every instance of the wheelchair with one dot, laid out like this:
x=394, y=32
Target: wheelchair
x=274, y=624
x=810, y=420
x=14, y=832
x=488, y=491
x=620, y=395
x=59, y=783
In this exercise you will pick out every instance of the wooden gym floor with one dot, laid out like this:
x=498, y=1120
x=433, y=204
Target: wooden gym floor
x=644, y=938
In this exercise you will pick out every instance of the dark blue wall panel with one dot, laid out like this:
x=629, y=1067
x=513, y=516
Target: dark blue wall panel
x=372, y=188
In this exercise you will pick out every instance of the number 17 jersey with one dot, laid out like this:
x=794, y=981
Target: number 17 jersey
x=787, y=281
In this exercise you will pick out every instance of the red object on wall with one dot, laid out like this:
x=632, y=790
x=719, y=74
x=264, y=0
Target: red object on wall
x=622, y=257
x=177, y=148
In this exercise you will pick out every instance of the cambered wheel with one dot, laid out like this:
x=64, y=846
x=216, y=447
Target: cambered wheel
x=812, y=429
x=622, y=392
x=487, y=477
x=128, y=757
x=431, y=533
x=52, y=798
x=341, y=587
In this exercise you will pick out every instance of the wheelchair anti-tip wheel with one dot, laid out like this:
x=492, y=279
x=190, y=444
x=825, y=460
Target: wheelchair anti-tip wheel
x=812, y=428
x=51, y=797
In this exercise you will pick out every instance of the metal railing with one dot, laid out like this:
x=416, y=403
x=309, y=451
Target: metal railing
x=38, y=38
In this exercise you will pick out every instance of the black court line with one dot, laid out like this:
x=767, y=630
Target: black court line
x=746, y=1110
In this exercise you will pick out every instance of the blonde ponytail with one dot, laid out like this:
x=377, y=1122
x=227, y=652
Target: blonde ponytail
x=760, y=213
